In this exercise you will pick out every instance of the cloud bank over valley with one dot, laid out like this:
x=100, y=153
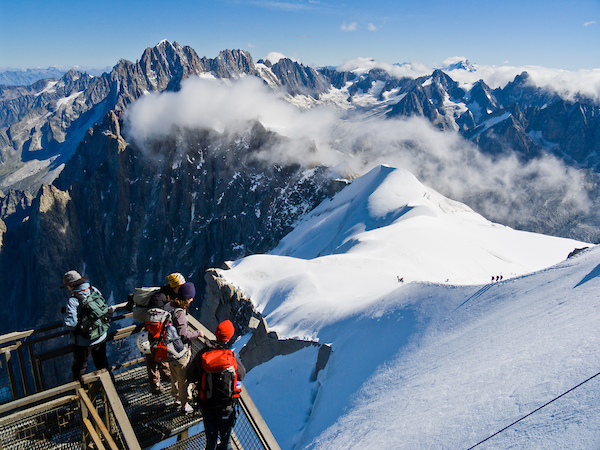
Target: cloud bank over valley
x=503, y=188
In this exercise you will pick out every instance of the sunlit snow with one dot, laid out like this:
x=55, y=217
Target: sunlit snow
x=444, y=358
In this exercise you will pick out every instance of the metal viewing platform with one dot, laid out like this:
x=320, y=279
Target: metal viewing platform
x=40, y=408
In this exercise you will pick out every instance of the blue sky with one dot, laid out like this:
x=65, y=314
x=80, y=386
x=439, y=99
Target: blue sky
x=563, y=34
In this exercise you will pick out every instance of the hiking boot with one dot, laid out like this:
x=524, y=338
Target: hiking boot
x=156, y=389
x=187, y=409
x=174, y=402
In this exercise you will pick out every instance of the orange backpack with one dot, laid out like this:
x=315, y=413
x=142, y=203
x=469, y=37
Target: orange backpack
x=218, y=388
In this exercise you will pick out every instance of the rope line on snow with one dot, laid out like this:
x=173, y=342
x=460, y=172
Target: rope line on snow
x=534, y=411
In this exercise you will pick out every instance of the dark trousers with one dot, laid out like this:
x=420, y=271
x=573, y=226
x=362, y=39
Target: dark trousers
x=82, y=354
x=157, y=370
x=218, y=424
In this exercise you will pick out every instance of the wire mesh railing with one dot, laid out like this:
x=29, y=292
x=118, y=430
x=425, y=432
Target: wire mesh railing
x=44, y=430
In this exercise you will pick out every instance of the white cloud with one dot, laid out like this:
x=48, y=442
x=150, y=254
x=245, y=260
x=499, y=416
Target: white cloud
x=565, y=83
x=361, y=65
x=211, y=104
x=354, y=145
x=282, y=6
x=353, y=26
x=587, y=24
x=453, y=60
x=274, y=57
x=372, y=27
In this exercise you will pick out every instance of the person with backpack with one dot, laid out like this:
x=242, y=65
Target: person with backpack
x=152, y=298
x=178, y=308
x=138, y=301
x=88, y=317
x=217, y=371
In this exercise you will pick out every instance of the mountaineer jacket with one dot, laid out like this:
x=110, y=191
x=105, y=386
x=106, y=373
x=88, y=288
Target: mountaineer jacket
x=180, y=322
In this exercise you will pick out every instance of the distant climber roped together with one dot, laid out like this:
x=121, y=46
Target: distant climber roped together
x=214, y=373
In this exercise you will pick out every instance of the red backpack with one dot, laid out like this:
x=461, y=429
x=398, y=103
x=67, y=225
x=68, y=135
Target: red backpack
x=218, y=387
x=165, y=343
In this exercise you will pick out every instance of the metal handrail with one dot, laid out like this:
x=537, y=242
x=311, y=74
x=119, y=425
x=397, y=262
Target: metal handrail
x=26, y=340
x=88, y=410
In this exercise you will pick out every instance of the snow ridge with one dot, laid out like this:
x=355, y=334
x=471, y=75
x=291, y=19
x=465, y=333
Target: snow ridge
x=425, y=363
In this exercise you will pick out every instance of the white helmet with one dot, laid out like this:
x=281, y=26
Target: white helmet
x=143, y=344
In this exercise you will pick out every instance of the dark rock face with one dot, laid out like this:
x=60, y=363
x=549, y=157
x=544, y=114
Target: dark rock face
x=298, y=79
x=337, y=79
x=14, y=206
x=224, y=302
x=30, y=255
x=128, y=218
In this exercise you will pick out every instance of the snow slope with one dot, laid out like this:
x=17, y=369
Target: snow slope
x=427, y=363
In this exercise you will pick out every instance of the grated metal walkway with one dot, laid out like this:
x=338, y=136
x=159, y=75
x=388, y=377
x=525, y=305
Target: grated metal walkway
x=196, y=442
x=57, y=428
x=151, y=418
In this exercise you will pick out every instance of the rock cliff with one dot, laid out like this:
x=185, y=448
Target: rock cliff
x=127, y=219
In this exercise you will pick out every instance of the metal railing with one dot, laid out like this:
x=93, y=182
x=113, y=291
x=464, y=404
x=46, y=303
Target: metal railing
x=40, y=407
x=35, y=360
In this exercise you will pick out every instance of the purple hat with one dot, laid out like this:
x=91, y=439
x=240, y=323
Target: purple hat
x=186, y=291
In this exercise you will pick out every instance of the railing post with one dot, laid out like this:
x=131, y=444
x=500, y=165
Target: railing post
x=113, y=400
x=22, y=369
x=11, y=375
x=84, y=415
x=87, y=404
x=37, y=385
x=40, y=372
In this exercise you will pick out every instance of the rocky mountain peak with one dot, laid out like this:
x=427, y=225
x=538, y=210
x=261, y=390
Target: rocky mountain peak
x=14, y=206
x=298, y=79
x=232, y=64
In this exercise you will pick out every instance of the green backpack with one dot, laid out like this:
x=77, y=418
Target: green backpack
x=95, y=315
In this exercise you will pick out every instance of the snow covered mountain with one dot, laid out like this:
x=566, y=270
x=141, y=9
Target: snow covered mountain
x=41, y=125
x=442, y=359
